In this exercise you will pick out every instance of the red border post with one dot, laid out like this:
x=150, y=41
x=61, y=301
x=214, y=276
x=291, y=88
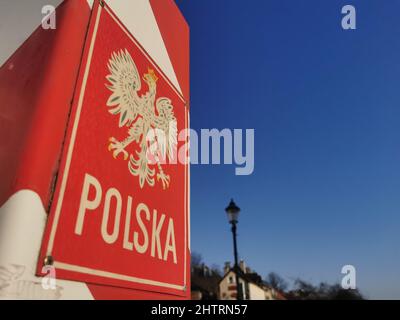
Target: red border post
x=42, y=86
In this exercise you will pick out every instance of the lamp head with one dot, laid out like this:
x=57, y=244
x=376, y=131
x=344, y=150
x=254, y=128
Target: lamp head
x=232, y=210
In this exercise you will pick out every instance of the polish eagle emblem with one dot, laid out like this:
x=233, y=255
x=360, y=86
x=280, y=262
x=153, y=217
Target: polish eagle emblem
x=143, y=115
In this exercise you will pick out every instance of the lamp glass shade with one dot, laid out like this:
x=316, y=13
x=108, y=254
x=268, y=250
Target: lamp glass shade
x=233, y=216
x=232, y=210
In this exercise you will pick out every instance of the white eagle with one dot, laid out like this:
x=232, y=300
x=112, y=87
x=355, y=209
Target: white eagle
x=140, y=114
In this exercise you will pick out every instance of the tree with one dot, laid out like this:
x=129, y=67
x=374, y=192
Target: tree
x=324, y=291
x=276, y=281
x=196, y=259
x=336, y=292
x=216, y=270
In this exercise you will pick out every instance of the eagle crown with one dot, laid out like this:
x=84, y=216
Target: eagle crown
x=150, y=77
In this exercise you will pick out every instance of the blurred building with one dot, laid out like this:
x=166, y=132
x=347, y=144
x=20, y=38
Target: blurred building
x=205, y=282
x=253, y=287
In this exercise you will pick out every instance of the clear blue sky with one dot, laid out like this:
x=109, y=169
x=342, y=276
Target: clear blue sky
x=325, y=104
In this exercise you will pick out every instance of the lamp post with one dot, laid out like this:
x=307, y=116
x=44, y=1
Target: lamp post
x=232, y=210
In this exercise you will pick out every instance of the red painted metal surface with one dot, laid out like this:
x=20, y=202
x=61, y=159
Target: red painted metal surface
x=36, y=86
x=94, y=243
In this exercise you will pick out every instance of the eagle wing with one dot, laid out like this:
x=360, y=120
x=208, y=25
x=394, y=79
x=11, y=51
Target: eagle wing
x=124, y=82
x=166, y=122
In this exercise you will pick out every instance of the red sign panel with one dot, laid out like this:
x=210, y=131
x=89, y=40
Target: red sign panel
x=119, y=214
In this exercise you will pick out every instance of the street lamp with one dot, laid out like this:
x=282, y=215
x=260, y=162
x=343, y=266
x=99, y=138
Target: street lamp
x=232, y=210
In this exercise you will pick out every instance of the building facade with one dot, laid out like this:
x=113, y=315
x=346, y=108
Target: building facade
x=252, y=286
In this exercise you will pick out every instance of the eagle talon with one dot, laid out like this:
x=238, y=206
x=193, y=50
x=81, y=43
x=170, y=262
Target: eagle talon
x=164, y=179
x=118, y=148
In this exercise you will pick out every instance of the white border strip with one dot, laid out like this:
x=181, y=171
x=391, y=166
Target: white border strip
x=106, y=274
x=146, y=54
